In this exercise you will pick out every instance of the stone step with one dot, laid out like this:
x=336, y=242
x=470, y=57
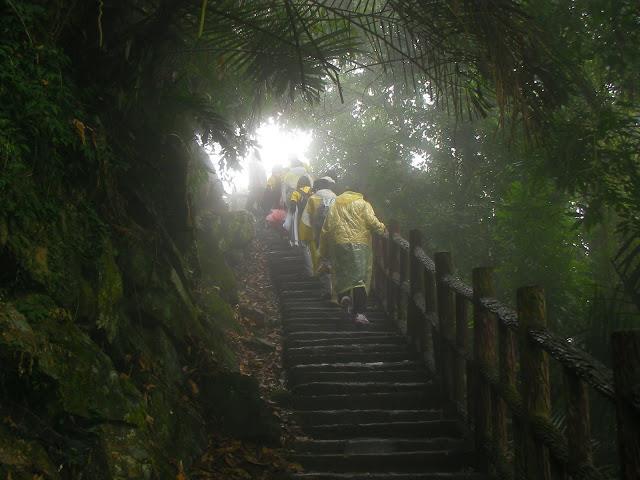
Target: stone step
x=305, y=311
x=379, y=445
x=414, y=461
x=299, y=283
x=333, y=322
x=312, y=286
x=295, y=294
x=293, y=359
x=368, y=401
x=289, y=270
x=321, y=311
x=417, y=429
x=299, y=377
x=359, y=391
x=335, y=417
x=312, y=302
x=306, y=304
x=332, y=334
x=289, y=255
x=318, y=310
x=337, y=388
x=347, y=340
x=331, y=319
x=338, y=326
x=350, y=347
x=357, y=366
x=389, y=476
x=298, y=294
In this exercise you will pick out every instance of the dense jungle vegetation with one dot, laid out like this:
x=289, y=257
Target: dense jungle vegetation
x=506, y=130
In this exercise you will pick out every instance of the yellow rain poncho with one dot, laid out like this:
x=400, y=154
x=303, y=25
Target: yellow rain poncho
x=309, y=228
x=346, y=240
x=293, y=217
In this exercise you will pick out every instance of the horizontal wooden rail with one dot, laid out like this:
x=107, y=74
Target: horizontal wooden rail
x=577, y=362
x=480, y=378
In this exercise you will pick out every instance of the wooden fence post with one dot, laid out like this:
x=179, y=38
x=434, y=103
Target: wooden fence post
x=507, y=375
x=484, y=349
x=460, y=354
x=378, y=257
x=432, y=346
x=415, y=319
x=626, y=371
x=401, y=307
x=578, y=420
x=446, y=321
x=536, y=394
x=392, y=267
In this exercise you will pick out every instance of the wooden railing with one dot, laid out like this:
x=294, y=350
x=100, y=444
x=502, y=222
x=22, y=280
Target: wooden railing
x=499, y=382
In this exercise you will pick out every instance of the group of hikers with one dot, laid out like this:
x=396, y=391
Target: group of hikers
x=331, y=226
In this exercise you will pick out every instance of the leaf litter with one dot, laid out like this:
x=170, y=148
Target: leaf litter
x=258, y=346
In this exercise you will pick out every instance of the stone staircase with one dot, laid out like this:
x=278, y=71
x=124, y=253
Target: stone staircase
x=362, y=397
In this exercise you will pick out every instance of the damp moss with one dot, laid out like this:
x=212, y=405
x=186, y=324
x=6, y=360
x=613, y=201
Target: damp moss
x=23, y=459
x=84, y=378
x=238, y=231
x=110, y=292
x=4, y=231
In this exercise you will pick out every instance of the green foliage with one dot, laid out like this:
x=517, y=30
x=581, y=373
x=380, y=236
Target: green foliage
x=470, y=191
x=40, y=331
x=536, y=242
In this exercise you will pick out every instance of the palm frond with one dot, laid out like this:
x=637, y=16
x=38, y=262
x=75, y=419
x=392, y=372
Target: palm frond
x=467, y=56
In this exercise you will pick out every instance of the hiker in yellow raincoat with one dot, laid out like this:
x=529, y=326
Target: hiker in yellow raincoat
x=290, y=178
x=273, y=191
x=297, y=204
x=346, y=240
x=311, y=223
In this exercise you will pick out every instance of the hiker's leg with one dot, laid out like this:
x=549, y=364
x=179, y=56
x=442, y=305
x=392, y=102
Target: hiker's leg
x=308, y=264
x=325, y=282
x=359, y=300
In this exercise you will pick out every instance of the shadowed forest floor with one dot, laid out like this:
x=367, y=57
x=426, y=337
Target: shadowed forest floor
x=258, y=346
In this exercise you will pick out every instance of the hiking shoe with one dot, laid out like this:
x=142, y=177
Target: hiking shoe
x=361, y=319
x=345, y=303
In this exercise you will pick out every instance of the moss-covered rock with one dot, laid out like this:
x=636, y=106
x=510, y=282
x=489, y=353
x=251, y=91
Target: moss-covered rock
x=127, y=452
x=4, y=231
x=213, y=267
x=110, y=292
x=22, y=459
x=59, y=364
x=238, y=230
x=215, y=307
x=85, y=381
x=101, y=336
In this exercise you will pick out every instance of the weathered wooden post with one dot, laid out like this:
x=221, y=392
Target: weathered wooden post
x=578, y=420
x=430, y=338
x=446, y=321
x=484, y=350
x=460, y=355
x=415, y=319
x=536, y=395
x=403, y=268
x=507, y=375
x=392, y=267
x=626, y=371
x=377, y=256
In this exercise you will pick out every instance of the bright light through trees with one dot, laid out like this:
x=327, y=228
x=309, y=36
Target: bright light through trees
x=276, y=146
